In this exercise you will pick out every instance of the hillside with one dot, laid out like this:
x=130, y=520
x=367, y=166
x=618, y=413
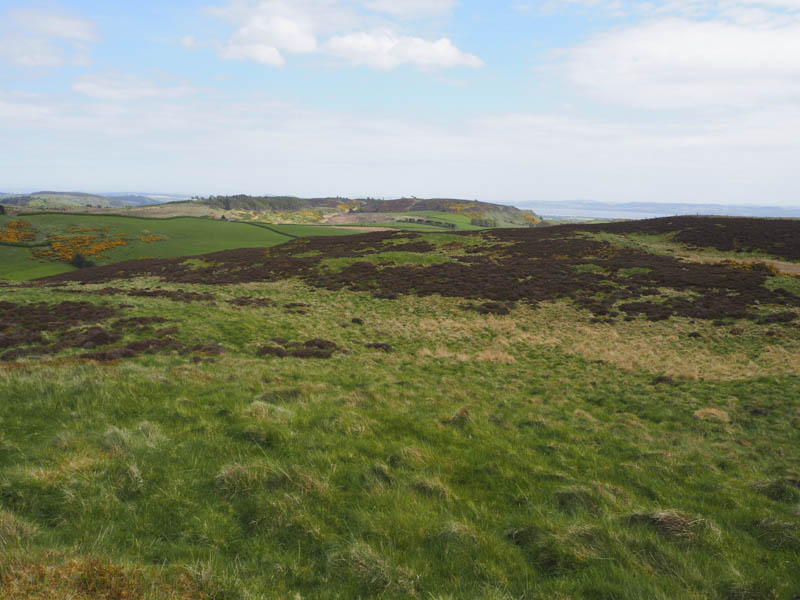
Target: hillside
x=583, y=411
x=483, y=214
x=35, y=245
x=48, y=200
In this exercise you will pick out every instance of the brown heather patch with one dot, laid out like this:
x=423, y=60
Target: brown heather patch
x=504, y=267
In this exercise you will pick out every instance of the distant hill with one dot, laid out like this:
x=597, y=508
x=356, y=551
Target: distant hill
x=500, y=215
x=131, y=200
x=64, y=200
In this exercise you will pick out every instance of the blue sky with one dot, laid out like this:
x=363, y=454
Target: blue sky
x=510, y=101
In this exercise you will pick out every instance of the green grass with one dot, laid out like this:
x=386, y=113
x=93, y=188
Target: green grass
x=477, y=460
x=538, y=454
x=183, y=237
x=461, y=221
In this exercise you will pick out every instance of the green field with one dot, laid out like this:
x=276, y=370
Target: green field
x=460, y=221
x=543, y=453
x=182, y=237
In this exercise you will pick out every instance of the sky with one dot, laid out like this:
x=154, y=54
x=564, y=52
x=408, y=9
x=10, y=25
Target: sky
x=511, y=101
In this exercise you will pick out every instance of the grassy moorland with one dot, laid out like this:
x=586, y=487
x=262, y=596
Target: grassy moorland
x=554, y=413
x=105, y=239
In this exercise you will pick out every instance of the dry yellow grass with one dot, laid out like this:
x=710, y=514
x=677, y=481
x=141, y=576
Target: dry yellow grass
x=712, y=414
x=777, y=266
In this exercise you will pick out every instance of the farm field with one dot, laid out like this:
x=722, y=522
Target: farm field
x=135, y=238
x=584, y=411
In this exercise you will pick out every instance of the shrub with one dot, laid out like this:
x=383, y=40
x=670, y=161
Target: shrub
x=79, y=261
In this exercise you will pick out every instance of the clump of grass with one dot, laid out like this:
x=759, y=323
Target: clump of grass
x=66, y=441
x=379, y=475
x=133, y=482
x=432, y=487
x=712, y=414
x=775, y=533
x=577, y=498
x=782, y=489
x=235, y=480
x=458, y=419
x=116, y=440
x=546, y=551
x=374, y=573
x=148, y=434
x=456, y=532
x=281, y=394
x=14, y=530
x=263, y=411
x=409, y=456
x=672, y=524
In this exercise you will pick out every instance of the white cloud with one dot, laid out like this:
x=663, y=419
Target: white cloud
x=386, y=50
x=270, y=30
x=39, y=39
x=274, y=28
x=411, y=8
x=679, y=63
x=120, y=87
x=262, y=53
x=744, y=12
x=30, y=52
x=54, y=25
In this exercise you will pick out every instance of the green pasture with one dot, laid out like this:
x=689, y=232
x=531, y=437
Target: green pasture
x=184, y=236
x=471, y=461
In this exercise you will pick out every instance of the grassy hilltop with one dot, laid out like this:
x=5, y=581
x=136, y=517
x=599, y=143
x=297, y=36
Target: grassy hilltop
x=605, y=411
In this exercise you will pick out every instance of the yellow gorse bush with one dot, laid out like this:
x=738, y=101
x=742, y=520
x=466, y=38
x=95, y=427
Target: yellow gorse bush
x=17, y=231
x=64, y=248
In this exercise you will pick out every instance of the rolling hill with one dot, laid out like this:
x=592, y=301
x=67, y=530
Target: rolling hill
x=481, y=214
x=583, y=411
x=45, y=200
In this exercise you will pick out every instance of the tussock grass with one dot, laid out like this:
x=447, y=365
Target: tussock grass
x=432, y=487
x=776, y=533
x=672, y=524
x=373, y=572
x=14, y=530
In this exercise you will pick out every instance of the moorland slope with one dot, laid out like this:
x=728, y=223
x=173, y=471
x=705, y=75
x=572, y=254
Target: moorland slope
x=606, y=411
